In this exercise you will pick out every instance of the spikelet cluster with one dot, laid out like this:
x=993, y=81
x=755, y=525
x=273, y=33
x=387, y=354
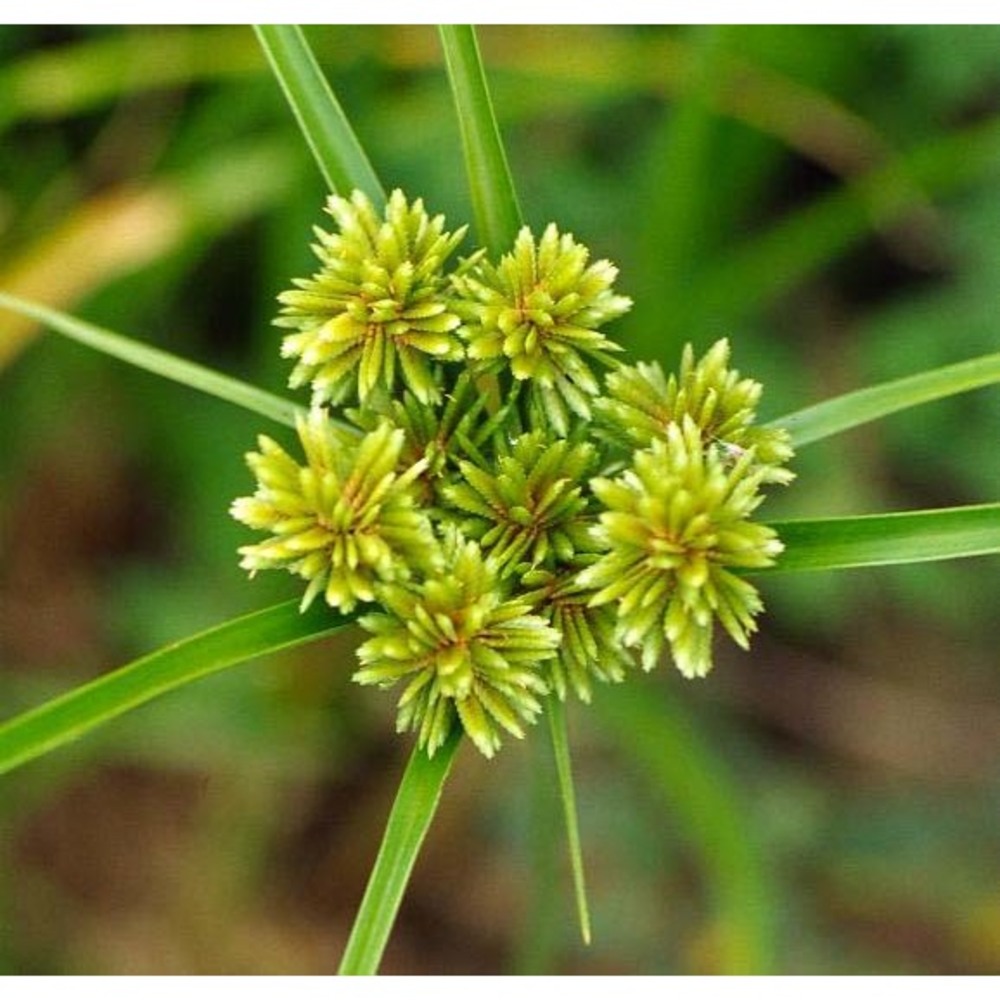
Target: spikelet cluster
x=538, y=312
x=378, y=302
x=675, y=528
x=344, y=520
x=466, y=650
x=642, y=403
x=515, y=514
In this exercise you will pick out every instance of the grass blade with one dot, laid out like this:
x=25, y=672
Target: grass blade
x=841, y=413
x=69, y=716
x=416, y=802
x=341, y=157
x=882, y=539
x=672, y=754
x=494, y=200
x=159, y=362
x=560, y=745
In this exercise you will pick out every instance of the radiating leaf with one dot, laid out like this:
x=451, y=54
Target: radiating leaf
x=75, y=713
x=412, y=812
x=340, y=156
x=841, y=413
x=157, y=361
x=556, y=712
x=881, y=539
x=494, y=200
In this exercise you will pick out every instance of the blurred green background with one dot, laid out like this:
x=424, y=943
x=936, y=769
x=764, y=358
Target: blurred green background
x=828, y=197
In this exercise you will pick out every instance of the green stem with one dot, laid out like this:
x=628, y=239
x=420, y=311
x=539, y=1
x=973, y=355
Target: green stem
x=412, y=812
x=560, y=745
x=341, y=157
x=78, y=711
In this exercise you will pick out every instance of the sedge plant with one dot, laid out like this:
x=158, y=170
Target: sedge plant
x=512, y=509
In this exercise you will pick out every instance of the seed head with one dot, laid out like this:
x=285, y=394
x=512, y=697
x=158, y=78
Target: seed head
x=540, y=308
x=380, y=297
x=591, y=649
x=528, y=510
x=343, y=521
x=676, y=527
x=642, y=403
x=466, y=650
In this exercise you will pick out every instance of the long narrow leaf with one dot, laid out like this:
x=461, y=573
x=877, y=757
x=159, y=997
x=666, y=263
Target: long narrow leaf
x=844, y=412
x=880, y=539
x=78, y=711
x=152, y=359
x=340, y=155
x=560, y=745
x=673, y=757
x=412, y=812
x=494, y=200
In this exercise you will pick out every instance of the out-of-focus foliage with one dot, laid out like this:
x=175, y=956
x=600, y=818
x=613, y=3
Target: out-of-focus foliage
x=825, y=197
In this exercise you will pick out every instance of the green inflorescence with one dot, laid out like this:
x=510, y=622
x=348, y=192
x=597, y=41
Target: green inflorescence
x=524, y=515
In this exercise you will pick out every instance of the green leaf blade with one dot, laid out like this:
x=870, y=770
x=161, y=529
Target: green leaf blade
x=841, y=413
x=886, y=539
x=157, y=361
x=412, y=812
x=494, y=201
x=82, y=709
x=558, y=730
x=340, y=156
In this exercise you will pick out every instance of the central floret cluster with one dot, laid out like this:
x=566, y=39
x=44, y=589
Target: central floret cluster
x=526, y=513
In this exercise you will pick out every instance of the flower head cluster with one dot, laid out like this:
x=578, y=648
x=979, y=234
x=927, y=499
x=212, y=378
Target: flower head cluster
x=538, y=310
x=591, y=648
x=517, y=524
x=675, y=529
x=379, y=298
x=642, y=403
x=343, y=521
x=531, y=507
x=466, y=649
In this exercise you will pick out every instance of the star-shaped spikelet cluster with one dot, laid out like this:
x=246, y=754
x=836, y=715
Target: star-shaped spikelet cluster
x=513, y=513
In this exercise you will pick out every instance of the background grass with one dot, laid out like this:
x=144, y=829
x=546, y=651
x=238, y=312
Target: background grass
x=827, y=197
